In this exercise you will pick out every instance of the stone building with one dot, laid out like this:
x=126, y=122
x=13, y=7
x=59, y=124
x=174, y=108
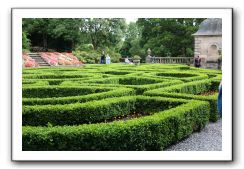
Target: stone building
x=208, y=42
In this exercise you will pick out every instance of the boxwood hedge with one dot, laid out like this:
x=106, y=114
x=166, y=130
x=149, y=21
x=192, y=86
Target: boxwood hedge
x=154, y=132
x=114, y=92
x=211, y=99
x=95, y=111
x=59, y=91
x=195, y=87
x=73, y=109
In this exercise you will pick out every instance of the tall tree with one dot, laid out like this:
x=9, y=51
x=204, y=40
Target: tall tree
x=25, y=42
x=104, y=31
x=39, y=26
x=48, y=32
x=67, y=29
x=168, y=36
x=132, y=38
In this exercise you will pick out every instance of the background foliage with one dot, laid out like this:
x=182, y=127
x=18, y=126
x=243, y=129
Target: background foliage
x=88, y=37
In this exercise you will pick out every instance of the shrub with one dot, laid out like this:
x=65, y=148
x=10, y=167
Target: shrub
x=94, y=111
x=195, y=87
x=25, y=42
x=140, y=84
x=74, y=108
x=211, y=99
x=154, y=132
x=59, y=91
x=83, y=98
x=55, y=76
x=136, y=57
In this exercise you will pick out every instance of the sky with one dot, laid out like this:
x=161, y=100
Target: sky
x=128, y=20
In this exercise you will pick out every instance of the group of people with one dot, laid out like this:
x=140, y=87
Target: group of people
x=105, y=59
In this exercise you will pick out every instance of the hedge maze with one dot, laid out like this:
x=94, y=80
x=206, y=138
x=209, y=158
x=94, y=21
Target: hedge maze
x=115, y=107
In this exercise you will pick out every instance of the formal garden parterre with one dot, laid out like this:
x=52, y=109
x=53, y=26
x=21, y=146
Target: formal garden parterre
x=115, y=107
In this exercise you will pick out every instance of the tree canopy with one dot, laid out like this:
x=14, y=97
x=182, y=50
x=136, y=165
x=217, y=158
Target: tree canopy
x=168, y=37
x=164, y=36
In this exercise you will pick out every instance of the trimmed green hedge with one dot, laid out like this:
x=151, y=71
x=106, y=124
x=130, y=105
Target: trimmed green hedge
x=215, y=84
x=35, y=83
x=72, y=109
x=94, y=111
x=195, y=87
x=116, y=72
x=140, y=84
x=186, y=76
x=59, y=91
x=211, y=99
x=32, y=82
x=189, y=91
x=141, y=88
x=126, y=80
x=83, y=98
x=54, y=76
x=153, y=133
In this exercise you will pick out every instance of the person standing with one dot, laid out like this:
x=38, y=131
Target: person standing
x=108, y=60
x=197, y=62
x=220, y=100
x=102, y=60
x=127, y=61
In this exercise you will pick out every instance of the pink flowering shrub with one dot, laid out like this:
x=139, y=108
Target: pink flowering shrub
x=56, y=58
x=27, y=61
x=50, y=58
x=30, y=63
x=74, y=60
x=53, y=58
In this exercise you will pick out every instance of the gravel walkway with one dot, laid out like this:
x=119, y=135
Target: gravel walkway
x=209, y=139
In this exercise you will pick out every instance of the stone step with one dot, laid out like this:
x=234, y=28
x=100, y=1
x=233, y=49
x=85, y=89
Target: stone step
x=34, y=55
x=37, y=57
x=40, y=60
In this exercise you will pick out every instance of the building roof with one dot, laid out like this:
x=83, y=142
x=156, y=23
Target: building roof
x=210, y=26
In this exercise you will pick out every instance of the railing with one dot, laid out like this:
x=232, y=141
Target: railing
x=171, y=60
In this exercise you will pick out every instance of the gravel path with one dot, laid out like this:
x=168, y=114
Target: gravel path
x=209, y=139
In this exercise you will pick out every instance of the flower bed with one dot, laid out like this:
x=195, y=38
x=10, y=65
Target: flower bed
x=56, y=58
x=27, y=61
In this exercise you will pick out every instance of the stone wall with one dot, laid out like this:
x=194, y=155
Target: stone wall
x=207, y=47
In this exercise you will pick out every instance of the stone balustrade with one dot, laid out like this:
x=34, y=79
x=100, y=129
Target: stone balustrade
x=171, y=60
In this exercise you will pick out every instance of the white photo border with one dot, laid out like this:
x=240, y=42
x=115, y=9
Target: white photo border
x=227, y=136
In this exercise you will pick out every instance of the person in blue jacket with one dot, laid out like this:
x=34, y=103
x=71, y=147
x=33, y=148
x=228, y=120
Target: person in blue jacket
x=220, y=100
x=102, y=60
